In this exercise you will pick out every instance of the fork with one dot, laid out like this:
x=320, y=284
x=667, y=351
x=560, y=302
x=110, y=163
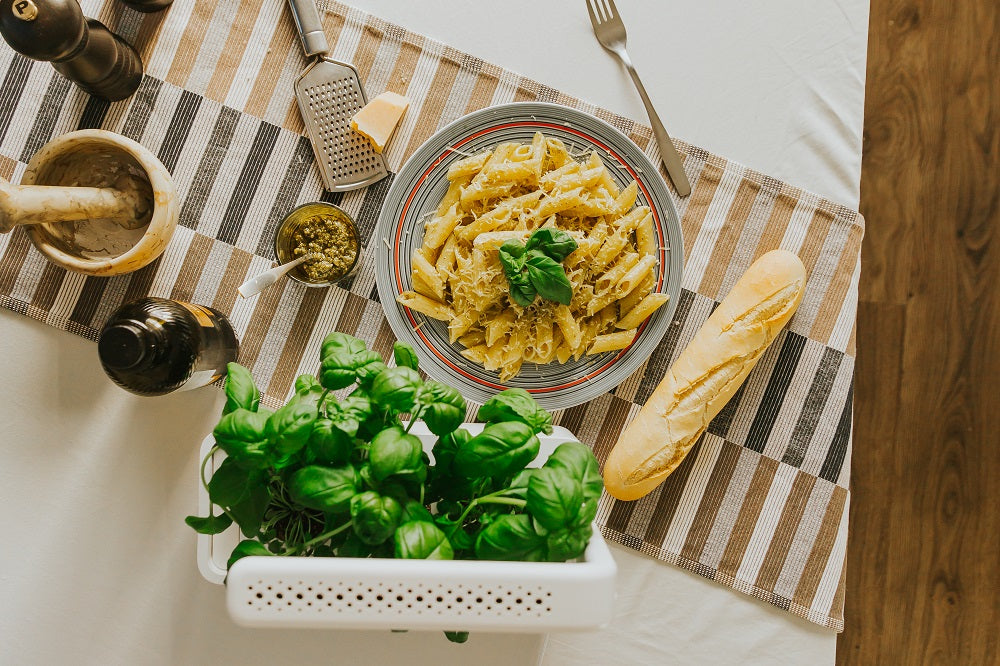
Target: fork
x=610, y=32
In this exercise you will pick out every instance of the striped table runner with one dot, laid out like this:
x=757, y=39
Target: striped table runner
x=761, y=504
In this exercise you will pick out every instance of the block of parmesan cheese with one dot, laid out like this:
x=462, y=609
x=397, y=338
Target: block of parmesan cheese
x=379, y=117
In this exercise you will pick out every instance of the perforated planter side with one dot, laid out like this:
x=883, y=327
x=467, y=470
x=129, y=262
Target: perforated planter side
x=414, y=594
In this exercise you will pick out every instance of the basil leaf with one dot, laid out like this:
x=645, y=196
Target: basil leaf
x=209, y=525
x=244, y=492
x=579, y=462
x=359, y=406
x=568, y=544
x=500, y=450
x=460, y=539
x=554, y=498
x=522, y=290
x=404, y=355
x=331, y=441
x=392, y=451
x=554, y=243
x=396, y=388
x=422, y=540
x=520, y=481
x=415, y=511
x=246, y=549
x=230, y=483
x=341, y=356
x=549, y=278
x=342, y=344
x=356, y=406
x=444, y=407
x=511, y=537
x=444, y=483
x=249, y=511
x=326, y=489
x=353, y=547
x=306, y=383
x=516, y=405
x=447, y=446
x=241, y=435
x=309, y=396
x=288, y=429
x=374, y=517
x=369, y=366
x=512, y=256
x=241, y=392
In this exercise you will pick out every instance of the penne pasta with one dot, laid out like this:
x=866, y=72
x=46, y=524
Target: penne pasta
x=439, y=228
x=631, y=299
x=425, y=272
x=475, y=353
x=505, y=194
x=645, y=238
x=568, y=325
x=612, y=341
x=635, y=275
x=446, y=259
x=642, y=310
x=468, y=167
x=610, y=279
x=498, y=216
x=431, y=308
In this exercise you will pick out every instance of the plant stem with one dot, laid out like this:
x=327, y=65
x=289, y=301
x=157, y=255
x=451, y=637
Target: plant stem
x=504, y=500
x=492, y=498
x=320, y=539
x=204, y=483
x=204, y=463
x=319, y=405
x=414, y=416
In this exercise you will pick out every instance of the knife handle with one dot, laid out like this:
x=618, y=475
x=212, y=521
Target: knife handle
x=310, y=26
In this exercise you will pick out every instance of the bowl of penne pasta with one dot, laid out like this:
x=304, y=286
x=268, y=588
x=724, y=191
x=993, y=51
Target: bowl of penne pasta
x=532, y=246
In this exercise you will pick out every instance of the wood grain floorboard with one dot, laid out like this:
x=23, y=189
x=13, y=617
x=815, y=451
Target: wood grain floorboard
x=924, y=549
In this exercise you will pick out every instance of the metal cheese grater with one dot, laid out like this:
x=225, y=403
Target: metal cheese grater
x=329, y=93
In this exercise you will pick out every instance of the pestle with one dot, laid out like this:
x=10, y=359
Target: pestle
x=39, y=204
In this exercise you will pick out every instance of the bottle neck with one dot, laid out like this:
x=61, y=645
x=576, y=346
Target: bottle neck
x=127, y=345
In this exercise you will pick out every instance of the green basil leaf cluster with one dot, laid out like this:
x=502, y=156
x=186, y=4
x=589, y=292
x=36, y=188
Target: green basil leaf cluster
x=535, y=268
x=560, y=504
x=336, y=470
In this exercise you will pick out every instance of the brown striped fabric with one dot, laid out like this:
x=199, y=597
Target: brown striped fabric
x=760, y=504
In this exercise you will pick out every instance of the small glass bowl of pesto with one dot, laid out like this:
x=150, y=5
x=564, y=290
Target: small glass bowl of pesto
x=325, y=231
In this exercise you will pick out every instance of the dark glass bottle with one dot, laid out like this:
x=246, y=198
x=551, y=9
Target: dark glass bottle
x=154, y=346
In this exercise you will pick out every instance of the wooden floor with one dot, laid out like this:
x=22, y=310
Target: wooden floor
x=923, y=569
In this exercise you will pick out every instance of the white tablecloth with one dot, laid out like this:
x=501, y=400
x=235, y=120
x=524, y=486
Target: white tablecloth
x=96, y=565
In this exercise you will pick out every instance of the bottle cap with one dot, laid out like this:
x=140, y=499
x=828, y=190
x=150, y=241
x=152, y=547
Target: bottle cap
x=124, y=346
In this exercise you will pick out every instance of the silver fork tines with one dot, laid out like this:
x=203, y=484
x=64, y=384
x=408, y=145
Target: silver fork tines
x=610, y=32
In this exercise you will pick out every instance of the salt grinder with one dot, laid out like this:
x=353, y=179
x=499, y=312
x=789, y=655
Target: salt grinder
x=81, y=49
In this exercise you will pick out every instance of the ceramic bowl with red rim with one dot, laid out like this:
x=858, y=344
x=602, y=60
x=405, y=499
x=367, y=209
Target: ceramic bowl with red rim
x=415, y=194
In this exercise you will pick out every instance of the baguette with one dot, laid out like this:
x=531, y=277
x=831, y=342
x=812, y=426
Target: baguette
x=706, y=375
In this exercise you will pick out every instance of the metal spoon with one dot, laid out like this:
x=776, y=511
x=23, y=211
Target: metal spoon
x=255, y=285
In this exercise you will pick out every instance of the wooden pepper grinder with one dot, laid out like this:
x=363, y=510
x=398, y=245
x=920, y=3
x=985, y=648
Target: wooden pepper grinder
x=81, y=49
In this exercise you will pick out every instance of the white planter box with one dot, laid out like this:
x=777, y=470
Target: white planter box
x=369, y=593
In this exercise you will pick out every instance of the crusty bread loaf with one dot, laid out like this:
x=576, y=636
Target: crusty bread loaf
x=706, y=375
